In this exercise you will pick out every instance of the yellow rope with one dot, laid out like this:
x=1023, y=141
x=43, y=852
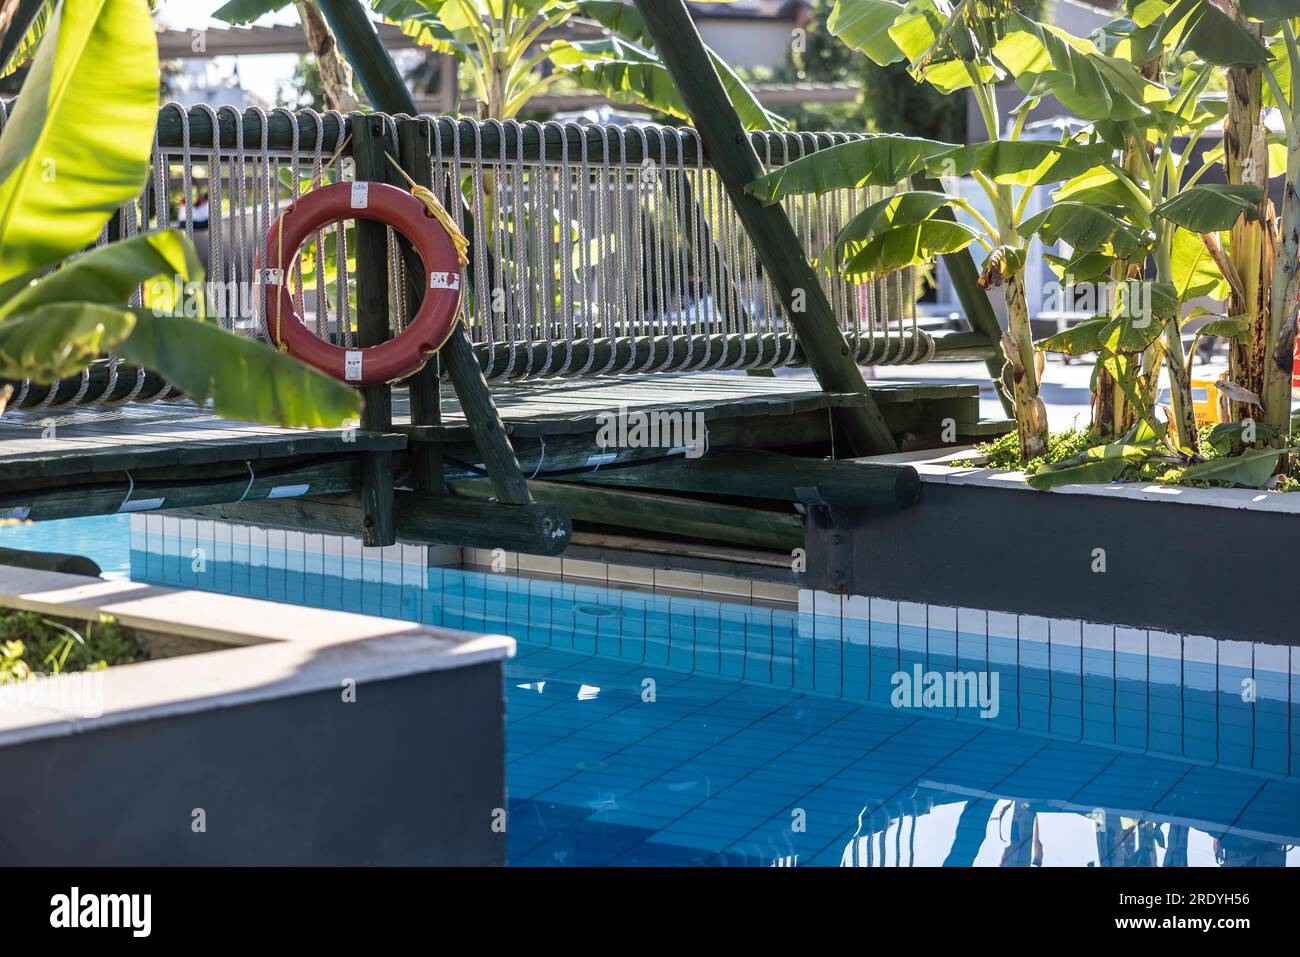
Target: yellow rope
x=437, y=210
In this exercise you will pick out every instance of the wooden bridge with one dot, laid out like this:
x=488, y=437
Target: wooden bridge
x=663, y=289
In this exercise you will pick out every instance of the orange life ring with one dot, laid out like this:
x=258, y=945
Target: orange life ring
x=428, y=329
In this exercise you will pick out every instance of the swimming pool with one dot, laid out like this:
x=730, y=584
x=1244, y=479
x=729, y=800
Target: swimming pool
x=660, y=726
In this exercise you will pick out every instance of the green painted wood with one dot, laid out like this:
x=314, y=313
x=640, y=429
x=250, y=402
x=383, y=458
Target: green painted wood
x=975, y=301
x=424, y=388
x=49, y=562
x=734, y=350
x=166, y=489
x=664, y=514
x=476, y=405
x=384, y=87
x=505, y=141
x=369, y=146
x=534, y=529
x=778, y=248
x=374, y=68
x=772, y=476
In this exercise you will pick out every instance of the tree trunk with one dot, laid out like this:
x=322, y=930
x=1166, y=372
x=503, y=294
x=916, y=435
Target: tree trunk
x=335, y=74
x=1183, y=413
x=1018, y=346
x=1113, y=411
x=1246, y=159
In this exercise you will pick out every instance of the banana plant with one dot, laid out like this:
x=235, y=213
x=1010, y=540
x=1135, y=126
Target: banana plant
x=1166, y=217
x=75, y=148
x=501, y=46
x=969, y=46
x=1264, y=252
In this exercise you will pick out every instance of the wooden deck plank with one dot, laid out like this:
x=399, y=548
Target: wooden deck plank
x=157, y=435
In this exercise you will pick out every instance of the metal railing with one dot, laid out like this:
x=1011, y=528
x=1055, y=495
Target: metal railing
x=596, y=249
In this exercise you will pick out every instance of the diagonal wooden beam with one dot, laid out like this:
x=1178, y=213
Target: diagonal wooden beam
x=682, y=50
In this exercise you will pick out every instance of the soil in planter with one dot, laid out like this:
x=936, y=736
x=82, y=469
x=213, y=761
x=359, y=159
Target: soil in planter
x=32, y=643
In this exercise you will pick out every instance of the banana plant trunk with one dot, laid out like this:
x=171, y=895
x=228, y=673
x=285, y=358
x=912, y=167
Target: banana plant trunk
x=1018, y=347
x=335, y=74
x=1182, y=412
x=1245, y=146
x=1113, y=413
x=1284, y=296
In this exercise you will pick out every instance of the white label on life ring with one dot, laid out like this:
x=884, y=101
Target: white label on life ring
x=352, y=366
x=360, y=194
x=444, y=280
x=270, y=277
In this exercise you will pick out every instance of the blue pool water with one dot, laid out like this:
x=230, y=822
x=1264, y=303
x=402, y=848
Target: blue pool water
x=657, y=727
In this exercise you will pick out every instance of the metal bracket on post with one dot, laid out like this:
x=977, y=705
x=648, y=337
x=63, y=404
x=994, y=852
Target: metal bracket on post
x=833, y=521
x=820, y=511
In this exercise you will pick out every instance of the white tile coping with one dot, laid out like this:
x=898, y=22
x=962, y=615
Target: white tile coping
x=931, y=469
x=275, y=651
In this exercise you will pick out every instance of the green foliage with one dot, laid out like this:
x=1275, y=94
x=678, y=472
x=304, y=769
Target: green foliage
x=77, y=145
x=1137, y=459
x=31, y=643
x=76, y=148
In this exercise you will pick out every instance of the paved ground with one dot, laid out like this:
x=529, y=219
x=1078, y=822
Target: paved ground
x=1064, y=389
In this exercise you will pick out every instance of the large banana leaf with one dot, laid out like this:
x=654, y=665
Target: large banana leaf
x=109, y=274
x=60, y=339
x=937, y=43
x=913, y=244
x=628, y=73
x=864, y=25
x=1270, y=9
x=874, y=161
x=1200, y=26
x=244, y=12
x=244, y=378
x=77, y=145
x=1252, y=468
x=904, y=209
x=1020, y=162
x=1080, y=339
x=1102, y=463
x=1089, y=83
x=1194, y=272
x=1207, y=207
x=1102, y=186
x=1087, y=228
x=424, y=23
x=1084, y=267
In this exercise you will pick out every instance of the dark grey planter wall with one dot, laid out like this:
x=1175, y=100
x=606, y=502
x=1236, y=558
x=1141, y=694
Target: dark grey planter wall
x=1221, y=572
x=408, y=774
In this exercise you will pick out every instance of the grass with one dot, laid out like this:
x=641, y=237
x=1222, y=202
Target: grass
x=32, y=644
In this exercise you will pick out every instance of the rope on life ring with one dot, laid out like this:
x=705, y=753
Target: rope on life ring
x=435, y=238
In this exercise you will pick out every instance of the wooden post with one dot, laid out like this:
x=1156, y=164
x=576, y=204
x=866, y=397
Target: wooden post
x=679, y=46
x=384, y=87
x=372, y=328
x=425, y=388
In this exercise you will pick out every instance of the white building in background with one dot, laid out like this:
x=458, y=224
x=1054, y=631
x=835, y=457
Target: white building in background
x=750, y=33
x=211, y=81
